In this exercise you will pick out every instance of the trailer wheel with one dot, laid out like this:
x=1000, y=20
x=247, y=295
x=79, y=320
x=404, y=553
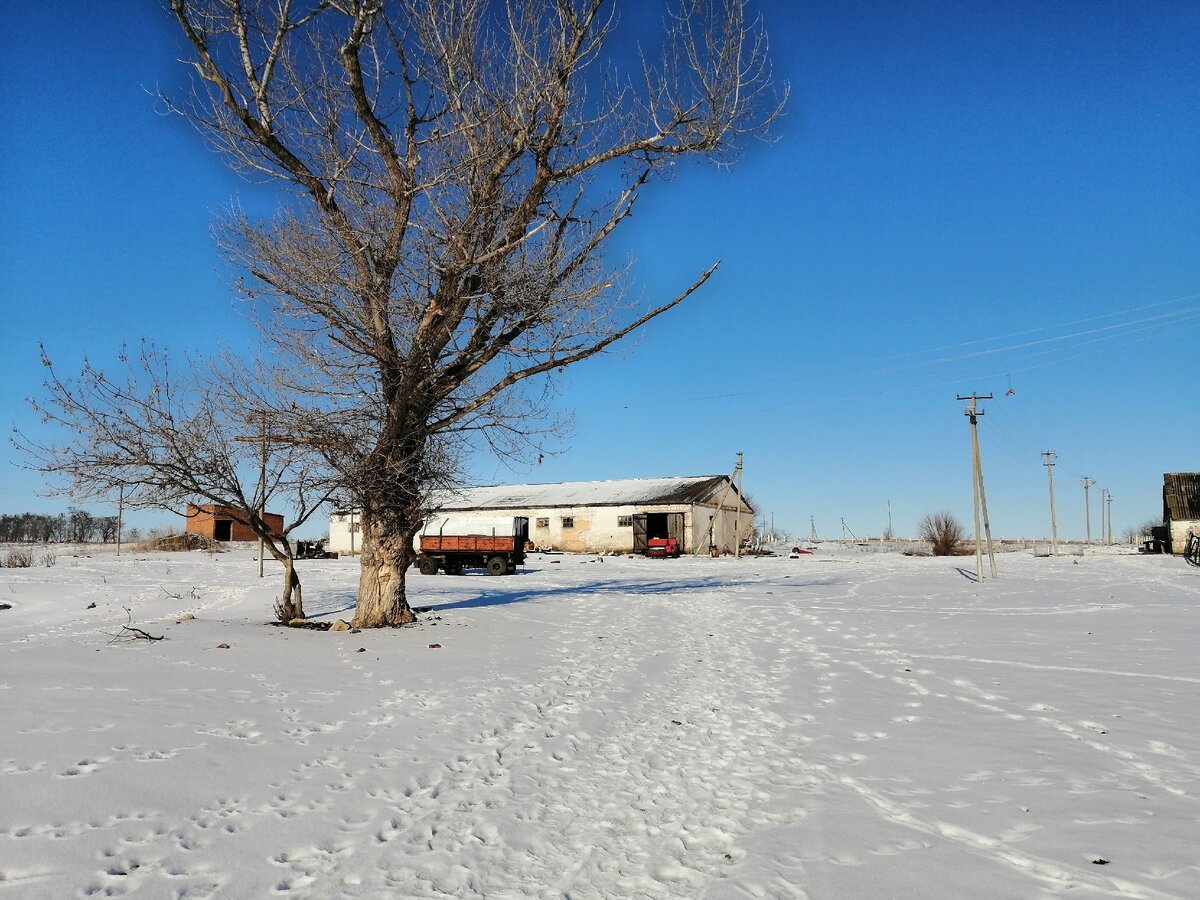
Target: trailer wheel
x=454, y=567
x=427, y=565
x=497, y=565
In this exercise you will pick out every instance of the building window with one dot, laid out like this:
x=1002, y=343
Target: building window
x=543, y=522
x=568, y=521
x=624, y=521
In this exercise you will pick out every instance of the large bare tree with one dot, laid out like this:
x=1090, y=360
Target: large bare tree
x=453, y=170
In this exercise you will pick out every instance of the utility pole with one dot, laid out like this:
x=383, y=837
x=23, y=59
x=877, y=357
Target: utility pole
x=120, y=510
x=1108, y=533
x=737, y=516
x=1103, y=520
x=1087, y=482
x=1048, y=462
x=262, y=484
x=980, y=494
x=262, y=493
x=890, y=535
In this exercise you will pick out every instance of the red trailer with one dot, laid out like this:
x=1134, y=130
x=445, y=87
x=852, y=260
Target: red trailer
x=454, y=543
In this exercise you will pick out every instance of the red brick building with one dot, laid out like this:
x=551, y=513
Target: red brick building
x=224, y=523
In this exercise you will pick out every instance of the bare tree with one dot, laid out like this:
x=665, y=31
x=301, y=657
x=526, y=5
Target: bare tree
x=942, y=530
x=107, y=528
x=1142, y=531
x=453, y=172
x=165, y=439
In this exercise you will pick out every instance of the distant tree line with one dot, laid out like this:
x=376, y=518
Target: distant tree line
x=75, y=526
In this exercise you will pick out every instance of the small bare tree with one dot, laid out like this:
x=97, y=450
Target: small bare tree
x=942, y=530
x=454, y=170
x=165, y=440
x=1142, y=531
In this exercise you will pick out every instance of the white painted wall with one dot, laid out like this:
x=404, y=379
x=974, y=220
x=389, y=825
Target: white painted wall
x=1179, y=533
x=340, y=540
x=595, y=528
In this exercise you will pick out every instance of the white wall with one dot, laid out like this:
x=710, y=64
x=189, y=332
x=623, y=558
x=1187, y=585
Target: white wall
x=723, y=527
x=1179, y=533
x=340, y=540
x=595, y=528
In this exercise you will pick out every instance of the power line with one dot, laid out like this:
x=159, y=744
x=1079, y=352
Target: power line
x=1106, y=333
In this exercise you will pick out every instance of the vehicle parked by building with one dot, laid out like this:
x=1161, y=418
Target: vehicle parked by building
x=662, y=548
x=455, y=543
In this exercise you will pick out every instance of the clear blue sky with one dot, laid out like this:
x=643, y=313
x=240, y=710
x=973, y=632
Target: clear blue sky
x=962, y=197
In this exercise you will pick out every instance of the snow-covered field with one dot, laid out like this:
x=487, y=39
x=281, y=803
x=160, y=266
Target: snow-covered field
x=848, y=726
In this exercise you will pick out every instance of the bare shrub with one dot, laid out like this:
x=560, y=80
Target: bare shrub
x=942, y=530
x=18, y=559
x=49, y=558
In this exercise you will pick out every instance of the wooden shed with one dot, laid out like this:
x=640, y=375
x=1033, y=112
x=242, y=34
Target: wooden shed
x=226, y=523
x=1181, y=508
x=598, y=516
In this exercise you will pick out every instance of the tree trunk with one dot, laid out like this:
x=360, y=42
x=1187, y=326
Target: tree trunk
x=292, y=604
x=381, y=596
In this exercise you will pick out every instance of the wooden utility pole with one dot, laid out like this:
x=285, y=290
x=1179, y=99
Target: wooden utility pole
x=737, y=516
x=1103, y=521
x=1048, y=462
x=1087, y=482
x=262, y=493
x=890, y=535
x=1113, y=538
x=261, y=440
x=120, y=511
x=1106, y=516
x=980, y=494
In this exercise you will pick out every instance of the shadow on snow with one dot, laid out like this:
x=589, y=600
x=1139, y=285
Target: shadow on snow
x=500, y=596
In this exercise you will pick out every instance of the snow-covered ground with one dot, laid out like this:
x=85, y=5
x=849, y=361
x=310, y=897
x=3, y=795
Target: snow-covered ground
x=844, y=726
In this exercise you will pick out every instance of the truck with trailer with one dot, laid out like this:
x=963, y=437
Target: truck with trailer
x=454, y=543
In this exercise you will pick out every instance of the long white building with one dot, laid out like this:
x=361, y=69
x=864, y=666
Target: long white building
x=700, y=511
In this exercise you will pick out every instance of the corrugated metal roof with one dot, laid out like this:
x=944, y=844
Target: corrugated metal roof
x=620, y=492
x=1181, y=495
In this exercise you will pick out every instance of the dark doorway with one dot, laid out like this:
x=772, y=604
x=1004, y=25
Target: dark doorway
x=656, y=525
x=223, y=530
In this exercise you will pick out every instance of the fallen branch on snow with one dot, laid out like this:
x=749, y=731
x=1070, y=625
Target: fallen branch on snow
x=129, y=633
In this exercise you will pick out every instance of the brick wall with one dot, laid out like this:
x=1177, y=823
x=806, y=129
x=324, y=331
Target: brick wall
x=223, y=523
